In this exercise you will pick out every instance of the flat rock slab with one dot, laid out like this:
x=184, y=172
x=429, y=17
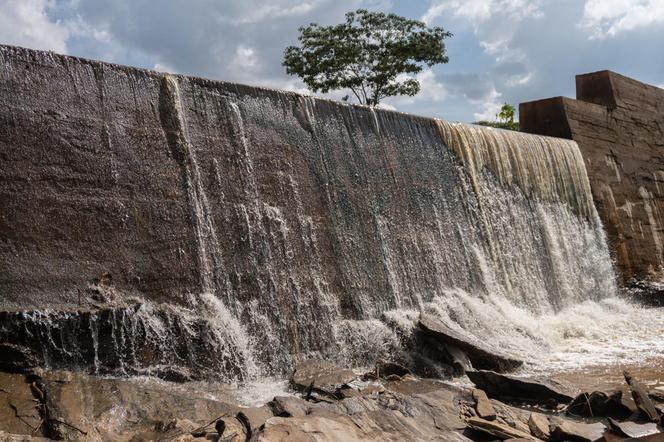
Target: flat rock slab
x=578, y=432
x=634, y=429
x=320, y=376
x=518, y=389
x=497, y=429
x=480, y=356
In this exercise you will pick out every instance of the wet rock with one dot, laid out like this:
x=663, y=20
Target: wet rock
x=569, y=431
x=497, y=429
x=483, y=405
x=539, y=426
x=386, y=369
x=17, y=358
x=633, y=429
x=480, y=356
x=289, y=406
x=253, y=419
x=641, y=398
x=320, y=376
x=521, y=389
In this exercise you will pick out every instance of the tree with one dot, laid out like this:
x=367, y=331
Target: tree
x=506, y=114
x=373, y=54
x=505, y=119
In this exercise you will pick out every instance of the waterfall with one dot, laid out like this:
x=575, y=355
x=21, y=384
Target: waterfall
x=308, y=228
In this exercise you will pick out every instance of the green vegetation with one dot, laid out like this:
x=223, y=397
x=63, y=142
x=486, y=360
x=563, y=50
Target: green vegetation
x=504, y=119
x=374, y=55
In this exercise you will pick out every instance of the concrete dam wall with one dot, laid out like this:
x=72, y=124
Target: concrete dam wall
x=151, y=221
x=618, y=123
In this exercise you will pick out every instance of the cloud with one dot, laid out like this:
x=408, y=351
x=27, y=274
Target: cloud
x=478, y=11
x=608, y=18
x=26, y=23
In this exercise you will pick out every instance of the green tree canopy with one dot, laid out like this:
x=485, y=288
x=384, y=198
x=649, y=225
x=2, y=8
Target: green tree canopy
x=373, y=54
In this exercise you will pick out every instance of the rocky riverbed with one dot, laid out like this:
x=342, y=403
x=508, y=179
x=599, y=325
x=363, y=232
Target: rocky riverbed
x=327, y=402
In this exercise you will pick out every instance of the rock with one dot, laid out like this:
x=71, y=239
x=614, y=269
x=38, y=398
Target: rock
x=18, y=409
x=480, y=356
x=656, y=395
x=289, y=406
x=320, y=376
x=497, y=429
x=569, y=431
x=599, y=404
x=518, y=389
x=539, y=426
x=385, y=369
x=633, y=429
x=17, y=358
x=427, y=412
x=9, y=437
x=483, y=405
x=641, y=398
x=253, y=419
x=117, y=409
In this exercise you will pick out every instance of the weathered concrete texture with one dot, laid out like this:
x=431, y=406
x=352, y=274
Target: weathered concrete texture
x=618, y=124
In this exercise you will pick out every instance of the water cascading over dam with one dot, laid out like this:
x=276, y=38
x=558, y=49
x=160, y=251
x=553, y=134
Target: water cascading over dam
x=167, y=221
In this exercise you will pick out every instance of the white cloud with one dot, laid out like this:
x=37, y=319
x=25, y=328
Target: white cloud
x=489, y=106
x=608, y=18
x=26, y=23
x=245, y=58
x=478, y=11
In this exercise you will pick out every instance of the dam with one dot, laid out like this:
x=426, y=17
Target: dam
x=156, y=224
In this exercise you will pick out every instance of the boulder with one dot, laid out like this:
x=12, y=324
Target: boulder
x=320, y=376
x=483, y=405
x=521, y=389
x=480, y=356
x=539, y=426
x=641, y=398
x=570, y=431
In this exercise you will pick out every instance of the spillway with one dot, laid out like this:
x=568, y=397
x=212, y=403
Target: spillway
x=157, y=221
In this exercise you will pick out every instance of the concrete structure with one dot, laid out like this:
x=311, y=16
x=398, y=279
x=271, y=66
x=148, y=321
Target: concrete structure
x=618, y=123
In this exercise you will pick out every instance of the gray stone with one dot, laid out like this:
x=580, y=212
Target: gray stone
x=320, y=376
x=521, y=389
x=479, y=355
x=577, y=431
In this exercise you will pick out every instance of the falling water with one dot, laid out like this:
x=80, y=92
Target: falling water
x=323, y=229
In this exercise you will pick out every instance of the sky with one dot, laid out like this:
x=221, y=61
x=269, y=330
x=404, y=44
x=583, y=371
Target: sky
x=503, y=51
